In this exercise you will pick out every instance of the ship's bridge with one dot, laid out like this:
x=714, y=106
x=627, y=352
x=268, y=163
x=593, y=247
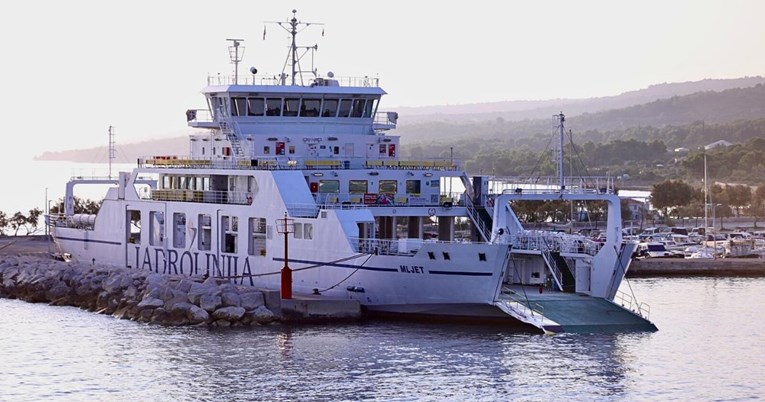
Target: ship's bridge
x=323, y=107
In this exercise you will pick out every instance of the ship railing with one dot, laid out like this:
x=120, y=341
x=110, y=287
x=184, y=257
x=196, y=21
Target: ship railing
x=343, y=200
x=550, y=185
x=302, y=210
x=300, y=163
x=534, y=240
x=403, y=246
x=276, y=79
x=627, y=301
x=200, y=196
x=385, y=121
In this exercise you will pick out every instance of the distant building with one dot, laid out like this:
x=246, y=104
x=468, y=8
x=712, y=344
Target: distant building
x=721, y=143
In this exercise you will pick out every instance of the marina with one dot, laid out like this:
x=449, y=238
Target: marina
x=293, y=183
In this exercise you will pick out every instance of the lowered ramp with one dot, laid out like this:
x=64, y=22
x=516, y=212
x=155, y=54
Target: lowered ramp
x=555, y=312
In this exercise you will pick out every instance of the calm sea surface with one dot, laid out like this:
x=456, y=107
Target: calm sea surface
x=710, y=346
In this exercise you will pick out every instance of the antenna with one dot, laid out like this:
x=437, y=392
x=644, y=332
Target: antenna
x=112, y=149
x=235, y=56
x=561, y=118
x=293, y=27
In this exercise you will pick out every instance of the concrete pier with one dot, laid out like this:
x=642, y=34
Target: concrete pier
x=732, y=267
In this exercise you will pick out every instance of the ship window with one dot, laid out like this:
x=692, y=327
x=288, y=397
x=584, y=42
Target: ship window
x=239, y=106
x=310, y=107
x=481, y=256
x=266, y=150
x=388, y=186
x=345, y=108
x=255, y=107
x=358, y=108
x=329, y=186
x=257, y=244
x=298, y=231
x=412, y=186
x=357, y=186
x=230, y=226
x=291, y=150
x=273, y=106
x=179, y=230
x=330, y=108
x=156, y=228
x=308, y=231
x=291, y=106
x=370, y=107
x=446, y=256
x=205, y=232
x=431, y=255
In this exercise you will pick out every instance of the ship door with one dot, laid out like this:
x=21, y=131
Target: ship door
x=132, y=236
x=349, y=149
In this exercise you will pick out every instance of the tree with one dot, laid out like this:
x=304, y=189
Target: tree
x=757, y=208
x=28, y=222
x=739, y=196
x=81, y=206
x=671, y=194
x=3, y=222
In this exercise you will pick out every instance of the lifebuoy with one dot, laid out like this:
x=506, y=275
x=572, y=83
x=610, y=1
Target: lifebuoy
x=432, y=211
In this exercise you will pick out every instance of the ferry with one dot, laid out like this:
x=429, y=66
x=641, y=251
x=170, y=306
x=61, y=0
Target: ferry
x=294, y=182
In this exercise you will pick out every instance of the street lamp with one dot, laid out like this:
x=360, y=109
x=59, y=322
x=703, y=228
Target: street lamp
x=286, y=226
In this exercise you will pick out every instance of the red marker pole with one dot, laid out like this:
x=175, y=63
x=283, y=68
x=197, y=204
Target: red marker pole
x=286, y=226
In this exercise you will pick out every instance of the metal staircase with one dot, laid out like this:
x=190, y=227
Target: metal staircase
x=229, y=131
x=482, y=221
x=562, y=275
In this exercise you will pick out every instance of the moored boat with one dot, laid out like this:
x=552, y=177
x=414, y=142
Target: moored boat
x=295, y=178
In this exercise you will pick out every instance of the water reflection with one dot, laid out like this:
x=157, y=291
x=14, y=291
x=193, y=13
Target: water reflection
x=709, y=347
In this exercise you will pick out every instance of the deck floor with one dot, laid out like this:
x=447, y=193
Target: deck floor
x=576, y=312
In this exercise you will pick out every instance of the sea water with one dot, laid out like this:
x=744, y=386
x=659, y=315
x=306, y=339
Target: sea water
x=710, y=346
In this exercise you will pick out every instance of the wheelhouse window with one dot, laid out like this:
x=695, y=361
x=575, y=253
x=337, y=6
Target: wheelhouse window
x=291, y=106
x=310, y=108
x=273, y=106
x=357, y=186
x=256, y=107
x=369, y=109
x=345, y=108
x=330, y=108
x=358, y=107
x=239, y=106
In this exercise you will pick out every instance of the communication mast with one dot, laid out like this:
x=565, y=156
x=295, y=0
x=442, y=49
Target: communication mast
x=293, y=27
x=112, y=149
x=236, y=56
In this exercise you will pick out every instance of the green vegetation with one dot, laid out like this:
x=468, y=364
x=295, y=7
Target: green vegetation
x=18, y=221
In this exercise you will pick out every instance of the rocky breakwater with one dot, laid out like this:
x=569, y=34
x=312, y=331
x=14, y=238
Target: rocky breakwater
x=135, y=295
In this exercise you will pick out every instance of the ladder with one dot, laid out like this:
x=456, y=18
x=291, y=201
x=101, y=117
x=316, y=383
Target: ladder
x=230, y=132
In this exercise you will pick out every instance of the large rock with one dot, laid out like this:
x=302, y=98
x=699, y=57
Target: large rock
x=251, y=300
x=210, y=302
x=231, y=299
x=150, y=302
x=197, y=315
x=262, y=315
x=230, y=313
x=198, y=290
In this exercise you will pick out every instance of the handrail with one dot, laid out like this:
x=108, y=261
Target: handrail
x=201, y=196
x=485, y=233
x=552, y=264
x=625, y=300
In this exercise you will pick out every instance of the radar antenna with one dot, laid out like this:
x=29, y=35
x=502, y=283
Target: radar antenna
x=293, y=27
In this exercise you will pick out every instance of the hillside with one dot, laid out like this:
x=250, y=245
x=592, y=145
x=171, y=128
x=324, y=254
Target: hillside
x=711, y=101
x=540, y=109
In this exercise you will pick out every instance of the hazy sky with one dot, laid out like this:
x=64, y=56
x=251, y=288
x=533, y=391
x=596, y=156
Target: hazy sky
x=72, y=68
